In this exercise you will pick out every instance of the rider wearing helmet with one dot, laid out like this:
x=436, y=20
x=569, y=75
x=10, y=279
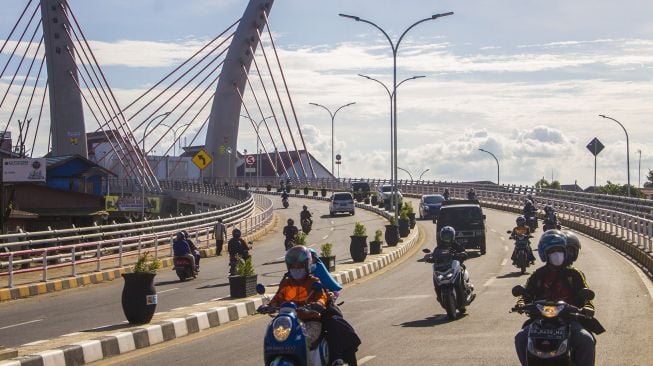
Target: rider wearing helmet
x=522, y=229
x=193, y=249
x=573, y=247
x=305, y=214
x=555, y=281
x=181, y=248
x=445, y=246
x=237, y=248
x=289, y=231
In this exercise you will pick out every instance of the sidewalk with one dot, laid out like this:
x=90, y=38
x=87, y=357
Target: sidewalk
x=95, y=344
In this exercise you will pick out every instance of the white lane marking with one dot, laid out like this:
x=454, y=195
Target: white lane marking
x=35, y=343
x=410, y=297
x=324, y=237
x=502, y=238
x=505, y=260
x=181, y=308
x=19, y=324
x=489, y=282
x=220, y=298
x=333, y=228
x=642, y=276
x=492, y=230
x=505, y=247
x=333, y=222
x=170, y=289
x=72, y=334
x=365, y=359
x=280, y=258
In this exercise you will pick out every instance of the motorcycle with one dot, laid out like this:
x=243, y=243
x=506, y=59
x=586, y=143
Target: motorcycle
x=550, y=328
x=184, y=268
x=307, y=225
x=284, y=202
x=531, y=221
x=451, y=281
x=295, y=335
x=289, y=243
x=550, y=223
x=520, y=257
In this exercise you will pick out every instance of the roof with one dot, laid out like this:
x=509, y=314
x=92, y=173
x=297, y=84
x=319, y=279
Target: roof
x=57, y=161
x=571, y=187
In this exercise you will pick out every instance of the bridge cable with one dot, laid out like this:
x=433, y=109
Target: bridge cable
x=38, y=123
x=16, y=25
x=292, y=106
x=196, y=135
x=13, y=52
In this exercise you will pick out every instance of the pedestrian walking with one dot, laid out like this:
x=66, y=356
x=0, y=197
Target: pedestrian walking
x=220, y=235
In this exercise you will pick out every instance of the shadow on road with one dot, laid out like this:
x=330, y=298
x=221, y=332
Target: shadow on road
x=512, y=275
x=431, y=321
x=214, y=286
x=163, y=283
x=108, y=328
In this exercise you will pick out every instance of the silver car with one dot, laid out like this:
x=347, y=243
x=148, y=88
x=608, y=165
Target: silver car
x=341, y=202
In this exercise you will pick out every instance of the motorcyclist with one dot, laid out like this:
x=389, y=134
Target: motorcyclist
x=181, y=248
x=447, y=244
x=573, y=247
x=289, y=231
x=237, y=248
x=446, y=194
x=529, y=208
x=298, y=288
x=306, y=214
x=193, y=250
x=471, y=194
x=550, y=219
x=284, y=195
x=555, y=281
x=522, y=229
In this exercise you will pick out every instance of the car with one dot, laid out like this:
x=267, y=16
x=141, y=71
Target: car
x=341, y=202
x=361, y=190
x=429, y=205
x=467, y=218
x=385, y=195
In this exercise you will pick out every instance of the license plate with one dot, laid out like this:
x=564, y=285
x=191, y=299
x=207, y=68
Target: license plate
x=540, y=333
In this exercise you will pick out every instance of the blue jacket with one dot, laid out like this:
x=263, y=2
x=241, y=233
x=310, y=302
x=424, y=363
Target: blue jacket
x=323, y=274
x=180, y=248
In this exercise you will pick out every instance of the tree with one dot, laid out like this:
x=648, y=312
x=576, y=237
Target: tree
x=542, y=183
x=555, y=185
x=620, y=190
x=649, y=178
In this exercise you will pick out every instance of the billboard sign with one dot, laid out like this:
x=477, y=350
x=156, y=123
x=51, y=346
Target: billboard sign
x=23, y=170
x=132, y=204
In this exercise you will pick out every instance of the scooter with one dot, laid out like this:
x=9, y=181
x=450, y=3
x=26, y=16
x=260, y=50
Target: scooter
x=550, y=327
x=307, y=225
x=451, y=281
x=284, y=202
x=531, y=221
x=551, y=223
x=294, y=336
x=184, y=268
x=522, y=244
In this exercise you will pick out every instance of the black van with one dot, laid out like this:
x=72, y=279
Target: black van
x=467, y=218
x=361, y=190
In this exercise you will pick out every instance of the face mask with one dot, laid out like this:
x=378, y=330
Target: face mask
x=313, y=267
x=557, y=258
x=297, y=273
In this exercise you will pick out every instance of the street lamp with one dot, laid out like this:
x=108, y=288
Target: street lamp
x=410, y=175
x=497, y=160
x=627, y=148
x=145, y=162
x=395, y=48
x=333, y=117
x=258, y=138
x=639, y=169
x=420, y=176
x=174, y=136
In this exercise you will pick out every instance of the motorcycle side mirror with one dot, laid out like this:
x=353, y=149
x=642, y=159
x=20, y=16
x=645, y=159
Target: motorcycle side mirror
x=260, y=289
x=518, y=290
x=316, y=286
x=425, y=250
x=508, y=232
x=586, y=294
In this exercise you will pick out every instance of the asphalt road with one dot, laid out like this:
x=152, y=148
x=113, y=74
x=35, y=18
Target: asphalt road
x=400, y=323
x=98, y=306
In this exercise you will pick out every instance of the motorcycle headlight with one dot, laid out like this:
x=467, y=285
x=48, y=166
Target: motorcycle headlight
x=281, y=328
x=550, y=311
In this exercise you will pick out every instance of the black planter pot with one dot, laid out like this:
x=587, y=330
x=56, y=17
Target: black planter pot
x=374, y=200
x=242, y=286
x=404, y=228
x=413, y=221
x=247, y=186
x=139, y=297
x=358, y=248
x=392, y=235
x=314, y=193
x=375, y=247
x=297, y=191
x=329, y=262
x=367, y=201
x=381, y=204
x=305, y=191
x=323, y=192
x=268, y=187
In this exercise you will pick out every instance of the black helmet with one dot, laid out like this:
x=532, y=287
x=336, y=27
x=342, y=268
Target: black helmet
x=181, y=236
x=521, y=221
x=447, y=235
x=548, y=208
x=573, y=246
x=305, y=207
x=185, y=234
x=236, y=233
x=291, y=222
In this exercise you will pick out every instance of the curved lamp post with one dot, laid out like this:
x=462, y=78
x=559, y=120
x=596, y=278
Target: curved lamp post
x=145, y=162
x=333, y=117
x=258, y=138
x=410, y=175
x=395, y=48
x=420, y=176
x=174, y=136
x=627, y=148
x=497, y=160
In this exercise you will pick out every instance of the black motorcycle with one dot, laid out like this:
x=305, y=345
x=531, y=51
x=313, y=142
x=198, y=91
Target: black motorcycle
x=451, y=281
x=550, y=223
x=284, y=202
x=307, y=225
x=550, y=328
x=521, y=252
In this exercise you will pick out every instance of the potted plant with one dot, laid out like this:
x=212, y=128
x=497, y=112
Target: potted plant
x=392, y=233
x=358, y=246
x=315, y=193
x=408, y=206
x=300, y=238
x=358, y=195
x=243, y=284
x=404, y=224
x=374, y=200
x=269, y=187
x=247, y=186
x=323, y=192
x=296, y=190
x=375, y=245
x=139, y=297
x=305, y=191
x=327, y=257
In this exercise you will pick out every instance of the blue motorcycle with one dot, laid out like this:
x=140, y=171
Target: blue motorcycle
x=294, y=336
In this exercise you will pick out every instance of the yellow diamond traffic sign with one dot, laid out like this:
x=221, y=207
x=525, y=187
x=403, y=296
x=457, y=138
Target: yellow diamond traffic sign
x=202, y=159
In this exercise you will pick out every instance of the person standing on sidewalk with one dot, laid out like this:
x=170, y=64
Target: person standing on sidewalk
x=220, y=235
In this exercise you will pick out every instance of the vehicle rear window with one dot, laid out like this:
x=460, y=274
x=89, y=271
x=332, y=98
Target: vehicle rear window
x=363, y=186
x=433, y=199
x=460, y=214
x=386, y=189
x=342, y=197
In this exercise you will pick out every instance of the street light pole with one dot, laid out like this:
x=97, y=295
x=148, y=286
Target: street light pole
x=258, y=138
x=627, y=148
x=497, y=160
x=420, y=176
x=639, y=169
x=174, y=136
x=145, y=162
x=395, y=48
x=410, y=175
x=333, y=117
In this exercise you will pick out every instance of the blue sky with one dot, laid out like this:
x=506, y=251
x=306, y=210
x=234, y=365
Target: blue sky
x=524, y=79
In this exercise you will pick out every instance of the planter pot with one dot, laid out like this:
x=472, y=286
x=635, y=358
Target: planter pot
x=329, y=262
x=269, y=188
x=367, y=201
x=375, y=247
x=247, y=186
x=374, y=200
x=381, y=204
x=392, y=235
x=323, y=192
x=296, y=191
x=305, y=191
x=413, y=221
x=242, y=286
x=358, y=248
x=314, y=193
x=404, y=228
x=139, y=297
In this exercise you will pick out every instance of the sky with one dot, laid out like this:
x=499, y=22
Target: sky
x=523, y=79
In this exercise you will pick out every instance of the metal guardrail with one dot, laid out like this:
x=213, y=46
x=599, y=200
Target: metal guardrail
x=119, y=243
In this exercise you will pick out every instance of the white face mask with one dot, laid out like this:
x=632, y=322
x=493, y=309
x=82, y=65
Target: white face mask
x=557, y=258
x=297, y=273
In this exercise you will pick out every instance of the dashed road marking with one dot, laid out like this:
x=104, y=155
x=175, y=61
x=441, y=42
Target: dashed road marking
x=365, y=359
x=505, y=247
x=489, y=282
x=35, y=343
x=72, y=334
x=502, y=238
x=19, y=324
x=170, y=289
x=505, y=260
x=494, y=231
x=324, y=237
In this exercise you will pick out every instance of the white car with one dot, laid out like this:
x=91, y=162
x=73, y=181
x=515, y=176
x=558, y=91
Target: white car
x=385, y=194
x=341, y=202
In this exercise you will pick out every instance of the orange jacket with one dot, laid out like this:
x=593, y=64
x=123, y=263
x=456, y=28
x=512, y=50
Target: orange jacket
x=521, y=230
x=301, y=293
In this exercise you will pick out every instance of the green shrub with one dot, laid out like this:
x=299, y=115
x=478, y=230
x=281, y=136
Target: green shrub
x=393, y=222
x=378, y=234
x=145, y=265
x=403, y=215
x=359, y=229
x=326, y=249
x=245, y=267
x=300, y=238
